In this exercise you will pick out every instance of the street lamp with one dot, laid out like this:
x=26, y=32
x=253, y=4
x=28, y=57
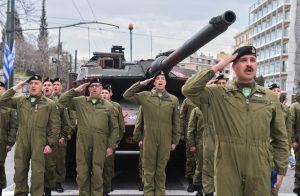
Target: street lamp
x=130, y=27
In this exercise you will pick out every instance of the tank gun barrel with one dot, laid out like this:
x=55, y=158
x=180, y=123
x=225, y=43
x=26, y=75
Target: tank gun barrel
x=216, y=26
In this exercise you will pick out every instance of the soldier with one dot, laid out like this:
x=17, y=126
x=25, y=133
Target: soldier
x=8, y=129
x=37, y=133
x=287, y=119
x=50, y=159
x=246, y=116
x=209, y=143
x=97, y=135
x=138, y=136
x=195, y=144
x=109, y=164
x=295, y=135
x=161, y=134
x=190, y=165
x=67, y=129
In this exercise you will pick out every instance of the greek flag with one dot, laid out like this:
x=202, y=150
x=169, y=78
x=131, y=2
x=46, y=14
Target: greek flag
x=8, y=62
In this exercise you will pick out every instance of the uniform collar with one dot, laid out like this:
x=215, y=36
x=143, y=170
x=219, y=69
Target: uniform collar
x=99, y=100
x=232, y=86
x=165, y=94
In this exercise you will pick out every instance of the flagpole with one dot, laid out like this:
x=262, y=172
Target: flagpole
x=10, y=25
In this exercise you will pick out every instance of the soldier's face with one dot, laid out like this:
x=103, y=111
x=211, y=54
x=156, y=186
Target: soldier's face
x=245, y=69
x=222, y=82
x=95, y=90
x=35, y=87
x=277, y=91
x=105, y=94
x=47, y=89
x=2, y=90
x=57, y=88
x=160, y=83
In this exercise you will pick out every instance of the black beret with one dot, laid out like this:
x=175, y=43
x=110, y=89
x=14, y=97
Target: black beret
x=2, y=84
x=47, y=80
x=56, y=80
x=95, y=80
x=34, y=77
x=160, y=73
x=244, y=50
x=107, y=87
x=272, y=86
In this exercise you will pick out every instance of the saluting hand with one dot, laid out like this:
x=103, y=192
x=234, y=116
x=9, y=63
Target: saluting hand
x=47, y=149
x=19, y=85
x=81, y=87
x=147, y=81
x=222, y=64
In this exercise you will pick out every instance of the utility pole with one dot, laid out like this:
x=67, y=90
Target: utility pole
x=130, y=27
x=75, y=61
x=70, y=68
x=58, y=51
x=10, y=34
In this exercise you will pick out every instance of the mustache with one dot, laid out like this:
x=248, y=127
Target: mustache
x=249, y=68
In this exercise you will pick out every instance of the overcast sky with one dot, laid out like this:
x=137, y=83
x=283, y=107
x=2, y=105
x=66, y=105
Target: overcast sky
x=171, y=22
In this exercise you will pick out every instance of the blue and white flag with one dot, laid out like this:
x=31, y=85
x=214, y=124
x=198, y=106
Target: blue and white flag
x=8, y=62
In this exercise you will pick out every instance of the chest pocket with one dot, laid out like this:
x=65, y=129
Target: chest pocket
x=100, y=117
x=235, y=99
x=42, y=116
x=259, y=104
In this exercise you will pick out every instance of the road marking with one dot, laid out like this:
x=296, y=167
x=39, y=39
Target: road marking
x=126, y=192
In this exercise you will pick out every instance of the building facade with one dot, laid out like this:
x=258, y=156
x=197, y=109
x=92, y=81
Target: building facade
x=273, y=31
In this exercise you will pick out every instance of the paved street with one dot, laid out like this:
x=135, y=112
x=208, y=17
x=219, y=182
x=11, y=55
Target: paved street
x=126, y=180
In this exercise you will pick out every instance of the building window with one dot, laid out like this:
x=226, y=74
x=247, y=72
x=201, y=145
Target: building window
x=284, y=66
x=277, y=66
x=283, y=84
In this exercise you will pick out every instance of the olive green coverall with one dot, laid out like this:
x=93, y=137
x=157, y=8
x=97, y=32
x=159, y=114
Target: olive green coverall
x=295, y=136
x=109, y=164
x=194, y=139
x=138, y=135
x=56, y=161
x=209, y=135
x=288, y=124
x=161, y=130
x=244, y=127
x=97, y=130
x=8, y=130
x=185, y=112
x=38, y=126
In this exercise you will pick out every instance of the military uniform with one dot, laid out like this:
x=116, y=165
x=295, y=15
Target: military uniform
x=109, y=164
x=295, y=135
x=161, y=130
x=190, y=166
x=61, y=150
x=97, y=130
x=138, y=135
x=194, y=139
x=38, y=126
x=288, y=124
x=209, y=135
x=8, y=130
x=244, y=125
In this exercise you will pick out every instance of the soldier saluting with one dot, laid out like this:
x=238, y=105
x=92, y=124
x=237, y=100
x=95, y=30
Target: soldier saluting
x=97, y=134
x=38, y=130
x=246, y=116
x=161, y=130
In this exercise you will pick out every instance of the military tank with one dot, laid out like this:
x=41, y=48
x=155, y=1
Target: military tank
x=113, y=69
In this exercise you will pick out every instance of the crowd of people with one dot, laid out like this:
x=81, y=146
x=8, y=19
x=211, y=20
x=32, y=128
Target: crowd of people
x=238, y=134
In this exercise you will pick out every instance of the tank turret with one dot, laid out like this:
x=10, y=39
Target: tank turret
x=216, y=26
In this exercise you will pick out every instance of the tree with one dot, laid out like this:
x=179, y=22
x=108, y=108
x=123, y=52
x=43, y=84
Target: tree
x=43, y=47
